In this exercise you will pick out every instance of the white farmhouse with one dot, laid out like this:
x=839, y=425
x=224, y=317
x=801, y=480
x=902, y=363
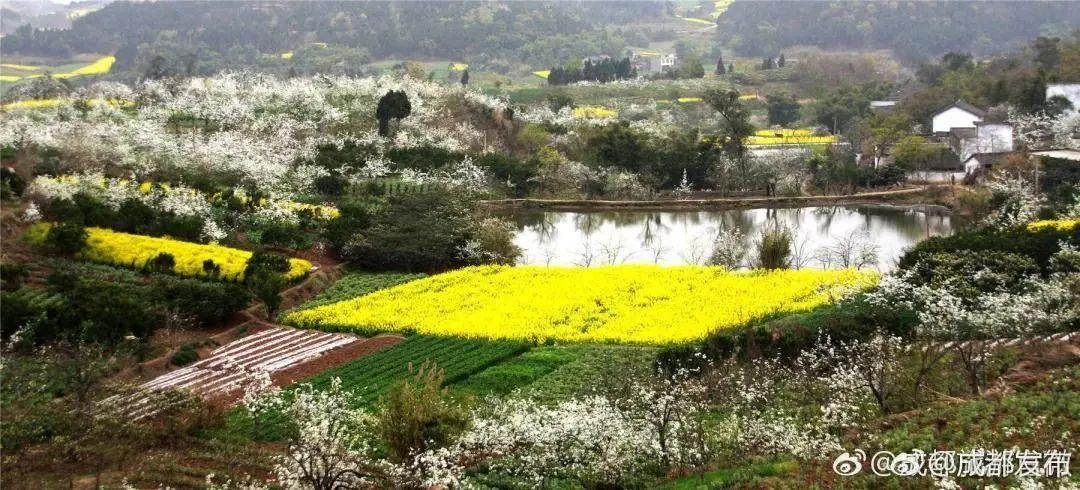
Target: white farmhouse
x=959, y=114
x=668, y=61
x=1070, y=91
x=985, y=137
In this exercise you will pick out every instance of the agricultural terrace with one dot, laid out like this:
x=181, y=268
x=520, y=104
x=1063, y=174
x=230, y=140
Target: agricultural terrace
x=135, y=251
x=764, y=137
x=14, y=72
x=618, y=304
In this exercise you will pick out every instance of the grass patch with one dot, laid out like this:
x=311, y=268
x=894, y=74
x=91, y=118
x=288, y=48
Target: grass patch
x=358, y=283
x=518, y=372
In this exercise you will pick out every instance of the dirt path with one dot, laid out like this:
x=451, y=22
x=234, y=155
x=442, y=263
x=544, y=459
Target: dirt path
x=727, y=202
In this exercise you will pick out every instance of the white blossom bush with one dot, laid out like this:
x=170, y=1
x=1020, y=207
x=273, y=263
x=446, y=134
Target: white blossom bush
x=332, y=446
x=255, y=126
x=1019, y=203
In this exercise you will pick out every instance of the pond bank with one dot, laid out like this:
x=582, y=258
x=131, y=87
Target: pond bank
x=697, y=204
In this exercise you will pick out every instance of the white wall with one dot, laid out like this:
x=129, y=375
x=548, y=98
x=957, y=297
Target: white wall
x=990, y=138
x=937, y=176
x=954, y=117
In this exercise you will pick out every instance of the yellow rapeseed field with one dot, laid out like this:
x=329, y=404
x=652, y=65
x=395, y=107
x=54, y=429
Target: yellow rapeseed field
x=788, y=137
x=124, y=249
x=623, y=304
x=1057, y=224
x=595, y=112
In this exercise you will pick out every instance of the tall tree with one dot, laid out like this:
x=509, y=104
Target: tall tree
x=735, y=125
x=720, y=67
x=780, y=62
x=783, y=108
x=394, y=105
x=465, y=77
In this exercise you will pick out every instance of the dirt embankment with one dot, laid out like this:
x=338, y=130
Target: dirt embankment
x=891, y=196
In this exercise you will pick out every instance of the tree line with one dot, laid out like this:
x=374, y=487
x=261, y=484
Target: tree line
x=604, y=71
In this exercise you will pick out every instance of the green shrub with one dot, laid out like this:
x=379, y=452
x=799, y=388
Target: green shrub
x=1038, y=245
x=12, y=274
x=972, y=272
x=163, y=263
x=417, y=414
x=66, y=238
x=185, y=355
x=774, y=247
x=262, y=260
x=420, y=231
x=789, y=335
x=12, y=184
x=207, y=302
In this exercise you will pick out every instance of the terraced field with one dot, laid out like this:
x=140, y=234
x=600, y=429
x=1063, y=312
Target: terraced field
x=274, y=351
x=371, y=376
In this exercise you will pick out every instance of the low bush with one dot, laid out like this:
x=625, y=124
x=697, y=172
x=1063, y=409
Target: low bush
x=972, y=272
x=789, y=335
x=1038, y=244
x=427, y=231
x=104, y=304
x=185, y=355
x=66, y=238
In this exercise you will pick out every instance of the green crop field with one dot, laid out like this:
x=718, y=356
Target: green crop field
x=371, y=376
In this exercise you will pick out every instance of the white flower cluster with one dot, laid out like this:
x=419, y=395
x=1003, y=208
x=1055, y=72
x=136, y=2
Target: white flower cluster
x=1019, y=202
x=254, y=126
x=177, y=200
x=945, y=315
x=798, y=408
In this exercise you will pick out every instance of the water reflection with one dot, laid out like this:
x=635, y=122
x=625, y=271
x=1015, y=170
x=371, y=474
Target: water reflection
x=680, y=237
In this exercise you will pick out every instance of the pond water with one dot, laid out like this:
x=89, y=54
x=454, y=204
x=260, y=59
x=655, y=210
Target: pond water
x=824, y=236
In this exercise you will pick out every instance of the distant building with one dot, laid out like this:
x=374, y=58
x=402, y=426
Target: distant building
x=1070, y=91
x=984, y=137
x=882, y=106
x=959, y=114
x=668, y=61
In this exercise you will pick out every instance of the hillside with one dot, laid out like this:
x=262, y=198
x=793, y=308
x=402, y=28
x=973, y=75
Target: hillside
x=915, y=30
x=533, y=32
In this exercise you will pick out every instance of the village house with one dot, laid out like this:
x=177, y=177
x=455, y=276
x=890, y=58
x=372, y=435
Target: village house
x=984, y=137
x=668, y=61
x=959, y=114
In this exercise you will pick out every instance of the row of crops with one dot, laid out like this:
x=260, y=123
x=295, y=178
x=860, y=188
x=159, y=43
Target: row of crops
x=371, y=376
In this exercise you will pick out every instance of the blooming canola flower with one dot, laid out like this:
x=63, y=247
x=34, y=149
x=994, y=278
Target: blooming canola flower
x=620, y=304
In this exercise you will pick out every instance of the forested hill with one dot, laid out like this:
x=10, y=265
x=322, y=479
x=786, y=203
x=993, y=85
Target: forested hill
x=915, y=30
x=537, y=33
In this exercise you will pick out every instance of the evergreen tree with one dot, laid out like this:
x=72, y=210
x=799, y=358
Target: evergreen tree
x=731, y=67
x=465, y=77
x=780, y=62
x=394, y=105
x=720, y=69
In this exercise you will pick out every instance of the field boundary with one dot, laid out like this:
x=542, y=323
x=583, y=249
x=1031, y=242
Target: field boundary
x=724, y=202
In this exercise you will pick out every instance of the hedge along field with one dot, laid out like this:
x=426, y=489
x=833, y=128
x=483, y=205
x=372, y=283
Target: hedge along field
x=620, y=304
x=124, y=249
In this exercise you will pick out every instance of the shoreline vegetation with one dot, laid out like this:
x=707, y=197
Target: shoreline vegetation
x=876, y=197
